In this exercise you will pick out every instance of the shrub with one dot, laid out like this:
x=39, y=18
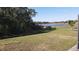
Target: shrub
x=71, y=23
x=49, y=28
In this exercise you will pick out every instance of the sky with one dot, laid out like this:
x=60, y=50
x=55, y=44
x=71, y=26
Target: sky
x=55, y=14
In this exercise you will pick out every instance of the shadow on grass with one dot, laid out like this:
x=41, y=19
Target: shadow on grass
x=25, y=34
x=47, y=30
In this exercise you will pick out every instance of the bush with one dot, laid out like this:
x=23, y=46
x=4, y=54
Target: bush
x=48, y=28
x=71, y=23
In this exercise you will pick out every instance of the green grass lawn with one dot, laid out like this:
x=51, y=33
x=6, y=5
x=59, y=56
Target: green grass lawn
x=56, y=40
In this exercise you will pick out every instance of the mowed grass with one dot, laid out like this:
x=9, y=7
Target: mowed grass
x=56, y=40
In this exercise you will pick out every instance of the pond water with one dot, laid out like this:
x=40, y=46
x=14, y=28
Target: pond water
x=53, y=25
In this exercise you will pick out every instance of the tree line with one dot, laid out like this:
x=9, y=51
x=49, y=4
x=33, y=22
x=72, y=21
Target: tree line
x=17, y=21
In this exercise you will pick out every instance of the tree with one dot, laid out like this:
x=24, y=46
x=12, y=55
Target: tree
x=71, y=23
x=16, y=20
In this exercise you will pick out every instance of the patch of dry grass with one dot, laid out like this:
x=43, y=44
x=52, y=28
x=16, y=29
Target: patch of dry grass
x=59, y=39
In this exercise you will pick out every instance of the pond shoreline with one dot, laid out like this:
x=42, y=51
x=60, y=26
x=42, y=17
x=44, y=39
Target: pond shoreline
x=55, y=25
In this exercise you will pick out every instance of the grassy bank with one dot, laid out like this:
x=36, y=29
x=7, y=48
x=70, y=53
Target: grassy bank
x=59, y=39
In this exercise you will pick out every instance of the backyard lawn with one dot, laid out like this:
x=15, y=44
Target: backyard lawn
x=56, y=40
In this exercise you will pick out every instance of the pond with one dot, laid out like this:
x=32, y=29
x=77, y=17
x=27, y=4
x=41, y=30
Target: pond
x=53, y=25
